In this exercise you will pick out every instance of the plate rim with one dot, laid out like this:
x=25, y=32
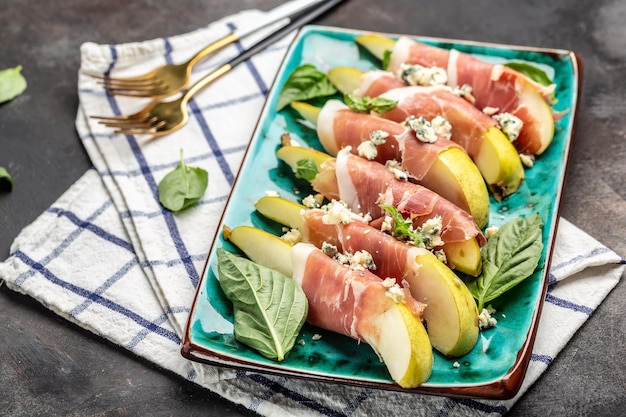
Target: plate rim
x=499, y=388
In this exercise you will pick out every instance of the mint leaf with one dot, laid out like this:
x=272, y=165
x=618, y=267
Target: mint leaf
x=304, y=83
x=509, y=257
x=306, y=169
x=269, y=308
x=367, y=104
x=6, y=181
x=12, y=83
x=182, y=187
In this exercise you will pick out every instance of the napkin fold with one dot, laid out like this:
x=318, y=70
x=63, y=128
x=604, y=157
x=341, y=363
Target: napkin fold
x=109, y=258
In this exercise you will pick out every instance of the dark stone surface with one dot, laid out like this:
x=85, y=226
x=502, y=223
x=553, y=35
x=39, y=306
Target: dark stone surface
x=51, y=367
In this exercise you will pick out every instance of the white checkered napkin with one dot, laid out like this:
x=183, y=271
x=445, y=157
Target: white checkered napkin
x=107, y=256
x=222, y=119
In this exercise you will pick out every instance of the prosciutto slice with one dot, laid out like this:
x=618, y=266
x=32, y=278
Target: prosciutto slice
x=493, y=85
x=363, y=185
x=468, y=123
x=375, y=83
x=339, y=127
x=340, y=297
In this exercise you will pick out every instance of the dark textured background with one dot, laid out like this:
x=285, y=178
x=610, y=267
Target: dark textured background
x=50, y=367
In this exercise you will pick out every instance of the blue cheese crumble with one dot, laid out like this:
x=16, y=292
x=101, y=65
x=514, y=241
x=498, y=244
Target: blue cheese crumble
x=510, y=125
x=420, y=75
x=423, y=129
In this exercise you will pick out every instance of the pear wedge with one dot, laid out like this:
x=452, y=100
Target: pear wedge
x=453, y=175
x=393, y=331
x=262, y=247
x=533, y=109
x=345, y=79
x=450, y=314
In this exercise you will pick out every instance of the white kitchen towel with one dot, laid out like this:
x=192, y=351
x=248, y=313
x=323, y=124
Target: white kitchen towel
x=109, y=258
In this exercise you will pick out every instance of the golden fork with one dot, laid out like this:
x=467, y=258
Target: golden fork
x=172, y=78
x=159, y=118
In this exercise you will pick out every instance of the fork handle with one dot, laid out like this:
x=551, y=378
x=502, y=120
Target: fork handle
x=302, y=19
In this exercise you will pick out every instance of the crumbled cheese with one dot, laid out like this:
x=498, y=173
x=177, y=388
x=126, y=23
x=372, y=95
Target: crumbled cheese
x=272, y=193
x=456, y=364
x=301, y=342
x=420, y=75
x=367, y=150
x=396, y=169
x=316, y=336
x=387, y=224
x=490, y=111
x=378, y=137
x=329, y=249
x=510, y=125
x=527, y=160
x=485, y=319
x=292, y=237
x=362, y=259
x=490, y=231
x=442, y=127
x=464, y=91
x=337, y=212
x=313, y=201
x=358, y=261
x=423, y=129
x=431, y=231
x=394, y=291
x=441, y=255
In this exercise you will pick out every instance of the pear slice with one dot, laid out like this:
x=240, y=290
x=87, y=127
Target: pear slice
x=345, y=79
x=450, y=314
x=464, y=256
x=453, y=175
x=388, y=325
x=376, y=44
x=536, y=114
x=499, y=163
x=262, y=247
x=395, y=333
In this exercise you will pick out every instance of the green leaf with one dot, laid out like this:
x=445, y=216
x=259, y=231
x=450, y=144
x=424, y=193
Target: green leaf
x=509, y=257
x=402, y=228
x=12, y=83
x=534, y=73
x=386, y=59
x=305, y=83
x=6, y=181
x=306, y=169
x=367, y=104
x=269, y=308
x=183, y=186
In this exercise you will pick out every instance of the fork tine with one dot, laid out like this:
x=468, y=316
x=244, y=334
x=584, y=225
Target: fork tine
x=151, y=83
x=136, y=92
x=151, y=130
x=137, y=78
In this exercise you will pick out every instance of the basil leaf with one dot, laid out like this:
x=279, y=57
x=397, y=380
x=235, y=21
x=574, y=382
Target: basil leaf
x=304, y=83
x=6, y=181
x=509, y=257
x=367, y=104
x=269, y=308
x=183, y=186
x=306, y=169
x=386, y=59
x=534, y=73
x=12, y=83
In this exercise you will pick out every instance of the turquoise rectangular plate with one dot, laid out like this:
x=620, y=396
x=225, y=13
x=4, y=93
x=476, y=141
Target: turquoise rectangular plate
x=496, y=373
